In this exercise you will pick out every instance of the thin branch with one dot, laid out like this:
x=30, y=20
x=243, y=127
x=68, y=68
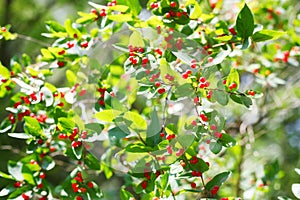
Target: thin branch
x=34, y=40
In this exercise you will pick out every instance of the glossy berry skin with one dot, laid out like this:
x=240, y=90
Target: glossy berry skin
x=232, y=86
x=173, y=4
x=161, y=90
x=193, y=185
x=144, y=184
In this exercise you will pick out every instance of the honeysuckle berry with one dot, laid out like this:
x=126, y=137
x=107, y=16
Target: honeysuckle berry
x=173, y=4
x=17, y=184
x=25, y=196
x=232, y=86
x=182, y=163
x=202, y=79
x=79, y=198
x=52, y=149
x=232, y=31
x=161, y=90
x=40, y=185
x=90, y=184
x=144, y=184
x=194, y=160
x=251, y=92
x=194, y=123
x=70, y=44
x=62, y=136
x=193, y=185
x=76, y=144
x=162, y=135
x=42, y=175
x=168, y=15
x=203, y=117
x=61, y=63
x=62, y=52
x=169, y=149
x=3, y=29
x=84, y=44
x=179, y=152
x=43, y=198
x=40, y=141
x=209, y=94
x=215, y=190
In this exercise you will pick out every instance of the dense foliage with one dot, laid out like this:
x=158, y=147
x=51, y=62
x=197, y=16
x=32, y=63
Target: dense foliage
x=148, y=95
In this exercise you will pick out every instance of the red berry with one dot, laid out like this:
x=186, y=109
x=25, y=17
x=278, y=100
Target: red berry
x=145, y=60
x=185, y=75
x=193, y=185
x=25, y=196
x=251, y=92
x=62, y=136
x=40, y=185
x=167, y=15
x=17, y=184
x=162, y=135
x=82, y=92
x=202, y=79
x=40, y=141
x=102, y=13
x=3, y=29
x=52, y=149
x=232, y=31
x=43, y=198
x=178, y=14
x=42, y=175
x=203, y=117
x=173, y=4
x=161, y=90
x=232, y=86
x=93, y=10
x=144, y=184
x=62, y=52
x=61, y=63
x=84, y=44
x=70, y=45
x=90, y=184
x=79, y=198
x=76, y=144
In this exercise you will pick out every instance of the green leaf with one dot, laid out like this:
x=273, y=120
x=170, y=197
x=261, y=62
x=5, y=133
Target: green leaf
x=47, y=55
x=138, y=122
x=70, y=30
x=221, y=97
x=136, y=39
x=85, y=17
x=134, y=5
x=215, y=147
x=66, y=125
x=264, y=35
x=55, y=26
x=6, y=176
x=77, y=151
x=199, y=166
x=217, y=180
x=184, y=90
x=245, y=23
x=107, y=115
x=153, y=130
x=4, y=72
x=28, y=175
x=19, y=192
x=227, y=140
x=125, y=195
x=137, y=148
x=23, y=136
x=246, y=101
x=120, y=17
x=91, y=161
x=47, y=163
x=33, y=127
x=15, y=169
x=115, y=136
x=71, y=77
